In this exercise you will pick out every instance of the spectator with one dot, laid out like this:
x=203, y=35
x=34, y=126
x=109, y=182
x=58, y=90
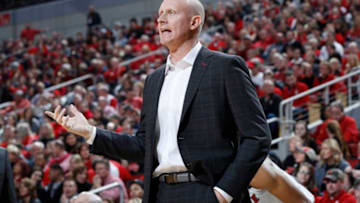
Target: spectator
x=305, y=176
x=69, y=190
x=29, y=33
x=103, y=177
x=289, y=161
x=24, y=135
x=46, y=133
x=53, y=191
x=309, y=76
x=8, y=135
x=61, y=156
x=330, y=157
x=347, y=123
x=75, y=161
x=72, y=143
x=270, y=102
x=136, y=188
x=27, y=191
x=19, y=103
x=304, y=154
x=335, y=192
x=36, y=148
x=302, y=131
x=93, y=19
x=334, y=131
x=293, y=87
x=81, y=178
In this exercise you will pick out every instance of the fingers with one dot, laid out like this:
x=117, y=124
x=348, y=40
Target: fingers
x=61, y=116
x=50, y=114
x=73, y=110
x=66, y=123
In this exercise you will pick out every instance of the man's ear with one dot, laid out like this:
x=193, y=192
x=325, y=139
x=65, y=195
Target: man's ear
x=195, y=22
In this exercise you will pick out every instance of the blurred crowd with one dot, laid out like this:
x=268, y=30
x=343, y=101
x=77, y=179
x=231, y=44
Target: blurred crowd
x=14, y=4
x=289, y=47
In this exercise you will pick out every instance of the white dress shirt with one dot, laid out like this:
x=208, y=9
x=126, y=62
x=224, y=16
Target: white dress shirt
x=170, y=107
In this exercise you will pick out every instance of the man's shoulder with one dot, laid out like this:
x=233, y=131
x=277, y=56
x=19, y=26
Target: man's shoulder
x=157, y=72
x=225, y=56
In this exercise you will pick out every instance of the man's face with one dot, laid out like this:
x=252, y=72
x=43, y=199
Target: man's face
x=290, y=80
x=173, y=22
x=101, y=170
x=336, y=113
x=53, y=174
x=69, y=188
x=333, y=187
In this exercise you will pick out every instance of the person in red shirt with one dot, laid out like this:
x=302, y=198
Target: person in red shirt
x=29, y=33
x=294, y=87
x=335, y=192
x=19, y=103
x=347, y=123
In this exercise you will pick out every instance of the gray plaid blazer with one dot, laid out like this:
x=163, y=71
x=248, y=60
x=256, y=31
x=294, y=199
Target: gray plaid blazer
x=223, y=135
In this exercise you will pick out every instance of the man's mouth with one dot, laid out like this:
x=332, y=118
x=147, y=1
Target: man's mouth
x=165, y=30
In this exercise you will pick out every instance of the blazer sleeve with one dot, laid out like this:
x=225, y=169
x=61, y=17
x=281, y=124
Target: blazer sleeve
x=8, y=193
x=122, y=146
x=249, y=118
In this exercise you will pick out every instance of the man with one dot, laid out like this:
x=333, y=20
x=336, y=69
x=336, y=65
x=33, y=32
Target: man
x=294, y=87
x=347, y=123
x=7, y=189
x=203, y=134
x=334, y=180
x=103, y=177
x=93, y=18
x=69, y=190
x=53, y=191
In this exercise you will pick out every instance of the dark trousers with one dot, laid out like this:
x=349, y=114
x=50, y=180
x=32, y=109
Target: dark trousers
x=190, y=192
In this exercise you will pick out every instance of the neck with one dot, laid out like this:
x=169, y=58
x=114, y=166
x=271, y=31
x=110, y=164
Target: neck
x=178, y=52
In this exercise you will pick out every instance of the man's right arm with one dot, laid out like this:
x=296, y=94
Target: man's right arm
x=117, y=146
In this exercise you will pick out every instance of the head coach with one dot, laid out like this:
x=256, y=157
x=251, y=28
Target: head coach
x=203, y=134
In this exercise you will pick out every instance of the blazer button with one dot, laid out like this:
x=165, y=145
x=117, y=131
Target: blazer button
x=188, y=164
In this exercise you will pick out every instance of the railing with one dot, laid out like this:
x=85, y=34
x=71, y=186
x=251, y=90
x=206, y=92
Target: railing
x=288, y=114
x=58, y=86
x=107, y=187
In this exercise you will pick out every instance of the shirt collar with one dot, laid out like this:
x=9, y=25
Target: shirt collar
x=188, y=60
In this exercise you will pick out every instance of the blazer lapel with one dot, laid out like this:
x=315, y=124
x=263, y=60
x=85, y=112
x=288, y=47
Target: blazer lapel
x=199, y=68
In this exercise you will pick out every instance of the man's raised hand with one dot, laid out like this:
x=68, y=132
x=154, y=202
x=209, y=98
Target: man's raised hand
x=75, y=122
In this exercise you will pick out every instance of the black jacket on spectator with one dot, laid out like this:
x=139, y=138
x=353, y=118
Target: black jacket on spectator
x=51, y=193
x=7, y=189
x=271, y=105
x=81, y=187
x=93, y=18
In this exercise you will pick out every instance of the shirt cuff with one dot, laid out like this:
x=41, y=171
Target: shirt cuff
x=224, y=194
x=90, y=141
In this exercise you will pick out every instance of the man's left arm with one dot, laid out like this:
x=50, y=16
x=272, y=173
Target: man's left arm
x=251, y=123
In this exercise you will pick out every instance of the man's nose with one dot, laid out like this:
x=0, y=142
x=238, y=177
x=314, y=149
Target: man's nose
x=161, y=20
